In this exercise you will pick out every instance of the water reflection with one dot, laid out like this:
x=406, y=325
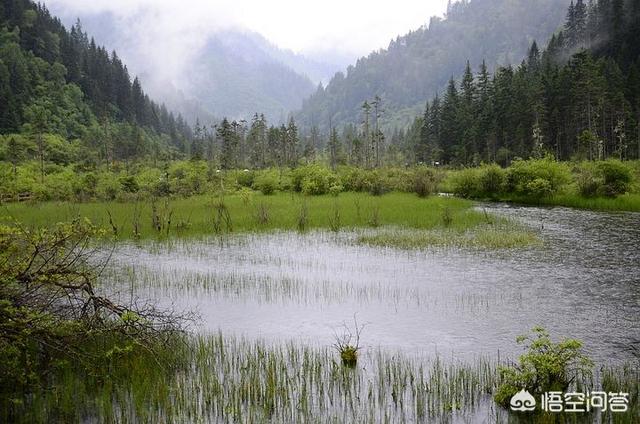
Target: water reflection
x=584, y=283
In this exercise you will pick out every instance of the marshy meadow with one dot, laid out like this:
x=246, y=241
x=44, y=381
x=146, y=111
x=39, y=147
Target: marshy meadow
x=346, y=308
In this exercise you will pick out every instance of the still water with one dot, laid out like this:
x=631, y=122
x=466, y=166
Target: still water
x=583, y=282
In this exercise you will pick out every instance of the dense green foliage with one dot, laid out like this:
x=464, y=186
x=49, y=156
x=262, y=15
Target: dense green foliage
x=583, y=184
x=59, y=82
x=545, y=366
x=580, y=98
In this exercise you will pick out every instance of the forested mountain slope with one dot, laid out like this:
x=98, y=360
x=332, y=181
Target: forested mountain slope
x=60, y=82
x=578, y=99
x=416, y=66
x=226, y=71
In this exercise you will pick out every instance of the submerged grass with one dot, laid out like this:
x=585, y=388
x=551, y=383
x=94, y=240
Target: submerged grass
x=626, y=202
x=201, y=215
x=500, y=236
x=228, y=379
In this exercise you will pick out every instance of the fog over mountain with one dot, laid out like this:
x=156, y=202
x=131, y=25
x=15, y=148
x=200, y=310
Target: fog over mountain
x=234, y=58
x=228, y=72
x=417, y=65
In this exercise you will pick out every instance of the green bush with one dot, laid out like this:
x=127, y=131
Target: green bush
x=492, y=180
x=245, y=178
x=187, y=178
x=353, y=179
x=587, y=180
x=129, y=184
x=153, y=182
x=402, y=179
x=266, y=182
x=336, y=189
x=424, y=181
x=616, y=177
x=605, y=178
x=466, y=183
x=537, y=177
x=316, y=179
x=545, y=366
x=108, y=187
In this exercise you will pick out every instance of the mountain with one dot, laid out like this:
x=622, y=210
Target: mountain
x=236, y=77
x=59, y=82
x=417, y=65
x=577, y=99
x=221, y=71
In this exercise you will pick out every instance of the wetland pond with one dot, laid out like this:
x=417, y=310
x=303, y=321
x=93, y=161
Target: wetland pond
x=443, y=304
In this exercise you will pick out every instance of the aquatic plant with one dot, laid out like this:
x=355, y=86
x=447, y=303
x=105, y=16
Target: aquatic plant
x=545, y=366
x=348, y=343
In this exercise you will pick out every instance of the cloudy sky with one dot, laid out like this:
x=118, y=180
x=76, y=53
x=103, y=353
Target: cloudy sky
x=353, y=27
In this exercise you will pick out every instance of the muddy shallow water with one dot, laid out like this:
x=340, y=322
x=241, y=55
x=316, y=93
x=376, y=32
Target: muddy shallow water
x=584, y=282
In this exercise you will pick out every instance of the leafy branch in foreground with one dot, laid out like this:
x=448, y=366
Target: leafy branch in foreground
x=51, y=313
x=545, y=366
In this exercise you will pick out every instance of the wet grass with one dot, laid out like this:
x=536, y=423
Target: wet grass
x=626, y=202
x=227, y=379
x=506, y=235
x=207, y=215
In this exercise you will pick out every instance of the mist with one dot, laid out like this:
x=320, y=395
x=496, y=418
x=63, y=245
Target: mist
x=164, y=42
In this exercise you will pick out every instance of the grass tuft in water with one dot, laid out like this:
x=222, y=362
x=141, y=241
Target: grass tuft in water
x=505, y=236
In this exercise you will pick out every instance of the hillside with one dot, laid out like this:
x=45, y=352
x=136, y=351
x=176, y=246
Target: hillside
x=60, y=83
x=417, y=65
x=224, y=71
x=577, y=99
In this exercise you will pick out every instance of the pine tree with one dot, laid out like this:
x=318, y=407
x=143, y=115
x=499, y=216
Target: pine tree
x=450, y=129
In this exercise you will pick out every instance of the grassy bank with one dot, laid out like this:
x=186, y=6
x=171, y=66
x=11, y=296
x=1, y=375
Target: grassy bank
x=609, y=185
x=254, y=212
x=625, y=203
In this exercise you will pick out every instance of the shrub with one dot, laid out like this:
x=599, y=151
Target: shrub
x=187, y=177
x=539, y=188
x=616, y=177
x=154, y=182
x=525, y=177
x=89, y=184
x=108, y=186
x=400, y=179
x=316, y=179
x=129, y=184
x=335, y=189
x=424, y=181
x=492, y=180
x=245, y=178
x=266, y=182
x=353, y=179
x=466, y=183
x=376, y=184
x=545, y=366
x=606, y=178
x=587, y=180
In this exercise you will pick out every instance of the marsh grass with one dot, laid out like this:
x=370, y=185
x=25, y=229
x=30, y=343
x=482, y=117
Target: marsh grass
x=303, y=217
x=284, y=211
x=505, y=235
x=625, y=202
x=227, y=379
x=262, y=214
x=334, y=219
